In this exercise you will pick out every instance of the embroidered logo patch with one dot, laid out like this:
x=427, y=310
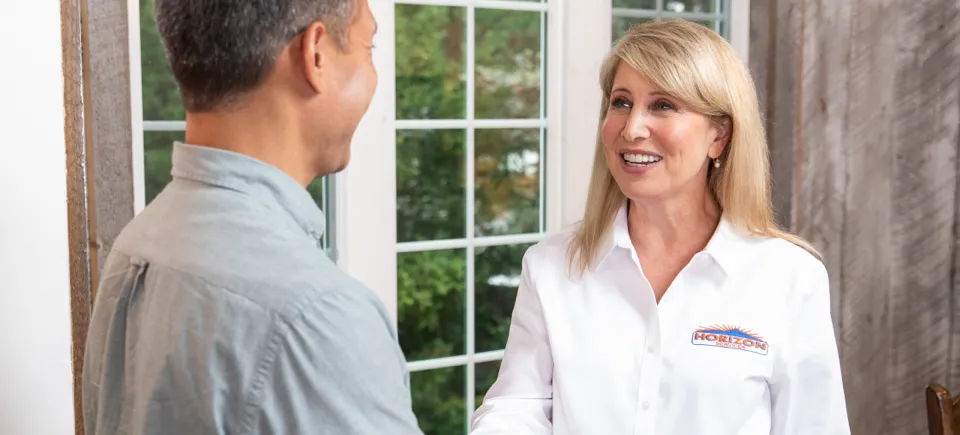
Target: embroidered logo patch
x=730, y=337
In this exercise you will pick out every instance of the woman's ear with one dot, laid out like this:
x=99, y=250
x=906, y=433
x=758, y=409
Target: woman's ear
x=724, y=128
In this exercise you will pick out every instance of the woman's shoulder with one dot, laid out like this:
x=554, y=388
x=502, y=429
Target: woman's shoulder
x=784, y=258
x=553, y=247
x=788, y=252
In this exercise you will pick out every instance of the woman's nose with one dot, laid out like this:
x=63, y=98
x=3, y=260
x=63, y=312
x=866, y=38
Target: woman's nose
x=636, y=127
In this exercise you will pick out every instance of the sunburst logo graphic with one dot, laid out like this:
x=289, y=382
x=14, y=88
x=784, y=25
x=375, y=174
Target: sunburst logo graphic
x=730, y=337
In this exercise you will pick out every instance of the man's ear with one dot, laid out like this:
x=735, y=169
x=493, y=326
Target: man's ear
x=314, y=54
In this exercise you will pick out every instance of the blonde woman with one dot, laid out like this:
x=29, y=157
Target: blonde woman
x=676, y=307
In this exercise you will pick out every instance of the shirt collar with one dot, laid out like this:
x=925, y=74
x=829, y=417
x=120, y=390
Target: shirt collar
x=244, y=174
x=722, y=248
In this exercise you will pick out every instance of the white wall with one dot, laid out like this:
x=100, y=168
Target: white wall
x=367, y=190
x=584, y=54
x=36, y=393
x=740, y=28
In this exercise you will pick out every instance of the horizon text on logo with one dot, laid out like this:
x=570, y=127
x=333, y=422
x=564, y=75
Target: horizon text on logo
x=730, y=337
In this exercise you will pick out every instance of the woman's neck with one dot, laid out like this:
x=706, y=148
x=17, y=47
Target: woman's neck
x=677, y=225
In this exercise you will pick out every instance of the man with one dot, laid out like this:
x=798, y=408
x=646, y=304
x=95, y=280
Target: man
x=217, y=312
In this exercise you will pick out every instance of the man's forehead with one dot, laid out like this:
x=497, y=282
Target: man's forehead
x=363, y=14
x=367, y=18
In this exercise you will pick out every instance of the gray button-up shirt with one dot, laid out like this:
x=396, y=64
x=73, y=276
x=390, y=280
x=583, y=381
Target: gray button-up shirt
x=217, y=313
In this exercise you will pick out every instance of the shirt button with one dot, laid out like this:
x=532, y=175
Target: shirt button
x=646, y=405
x=650, y=350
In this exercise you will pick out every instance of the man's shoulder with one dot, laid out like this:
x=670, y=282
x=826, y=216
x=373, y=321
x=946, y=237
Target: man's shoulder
x=238, y=249
x=276, y=280
x=203, y=216
x=238, y=245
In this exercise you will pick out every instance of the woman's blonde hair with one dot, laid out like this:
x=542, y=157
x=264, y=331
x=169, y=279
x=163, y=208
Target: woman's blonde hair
x=696, y=65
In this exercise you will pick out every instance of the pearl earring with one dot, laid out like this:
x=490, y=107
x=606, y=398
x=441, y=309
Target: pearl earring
x=716, y=162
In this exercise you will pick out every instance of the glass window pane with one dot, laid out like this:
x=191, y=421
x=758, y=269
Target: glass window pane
x=431, y=62
x=622, y=24
x=431, y=196
x=497, y=279
x=696, y=6
x=486, y=375
x=507, y=181
x=161, y=96
x=507, y=64
x=430, y=303
x=636, y=4
x=157, y=152
x=316, y=189
x=439, y=401
x=319, y=190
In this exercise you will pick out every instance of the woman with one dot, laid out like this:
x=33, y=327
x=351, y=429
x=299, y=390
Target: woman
x=676, y=306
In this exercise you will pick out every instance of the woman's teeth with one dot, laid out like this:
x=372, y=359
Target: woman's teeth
x=640, y=159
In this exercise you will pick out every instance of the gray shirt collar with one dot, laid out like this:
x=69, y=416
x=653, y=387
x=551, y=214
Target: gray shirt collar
x=263, y=182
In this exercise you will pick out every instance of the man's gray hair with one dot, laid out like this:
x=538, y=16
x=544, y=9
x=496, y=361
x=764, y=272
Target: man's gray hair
x=220, y=49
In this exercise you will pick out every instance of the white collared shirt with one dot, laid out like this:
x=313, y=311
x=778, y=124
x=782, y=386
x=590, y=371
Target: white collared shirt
x=742, y=343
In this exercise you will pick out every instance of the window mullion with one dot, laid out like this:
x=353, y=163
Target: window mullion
x=470, y=174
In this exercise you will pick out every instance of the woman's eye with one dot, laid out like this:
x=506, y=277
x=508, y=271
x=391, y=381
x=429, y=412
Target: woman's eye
x=662, y=105
x=620, y=103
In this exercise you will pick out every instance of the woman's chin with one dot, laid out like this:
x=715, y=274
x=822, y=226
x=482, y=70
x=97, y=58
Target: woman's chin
x=640, y=190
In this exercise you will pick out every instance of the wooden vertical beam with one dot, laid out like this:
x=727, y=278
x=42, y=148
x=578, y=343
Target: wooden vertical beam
x=953, y=369
x=81, y=284
x=761, y=36
x=843, y=192
x=774, y=59
x=819, y=160
x=110, y=122
x=98, y=132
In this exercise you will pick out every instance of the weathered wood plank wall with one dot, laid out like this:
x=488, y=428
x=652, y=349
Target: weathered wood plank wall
x=109, y=122
x=862, y=100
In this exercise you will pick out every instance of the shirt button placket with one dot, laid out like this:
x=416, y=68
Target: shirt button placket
x=649, y=385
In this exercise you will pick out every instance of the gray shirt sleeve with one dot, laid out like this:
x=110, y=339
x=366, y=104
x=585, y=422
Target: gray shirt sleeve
x=335, y=369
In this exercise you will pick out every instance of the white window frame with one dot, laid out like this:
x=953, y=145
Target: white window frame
x=136, y=105
x=735, y=13
x=366, y=190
